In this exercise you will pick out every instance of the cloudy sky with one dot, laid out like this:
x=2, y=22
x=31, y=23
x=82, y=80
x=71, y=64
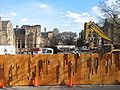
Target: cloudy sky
x=66, y=15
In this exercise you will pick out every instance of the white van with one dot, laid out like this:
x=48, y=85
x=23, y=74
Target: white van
x=37, y=51
x=45, y=51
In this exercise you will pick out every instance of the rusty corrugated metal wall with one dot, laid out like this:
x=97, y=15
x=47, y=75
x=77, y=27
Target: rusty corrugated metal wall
x=16, y=70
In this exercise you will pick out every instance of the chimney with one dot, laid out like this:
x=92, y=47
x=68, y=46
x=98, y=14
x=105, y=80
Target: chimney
x=17, y=26
x=45, y=29
x=0, y=24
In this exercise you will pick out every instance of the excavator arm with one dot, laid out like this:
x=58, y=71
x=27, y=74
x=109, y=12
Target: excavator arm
x=89, y=30
x=89, y=27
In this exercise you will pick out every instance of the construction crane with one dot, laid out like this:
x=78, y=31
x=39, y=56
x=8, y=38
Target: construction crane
x=91, y=29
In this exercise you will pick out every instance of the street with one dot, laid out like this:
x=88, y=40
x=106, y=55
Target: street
x=64, y=88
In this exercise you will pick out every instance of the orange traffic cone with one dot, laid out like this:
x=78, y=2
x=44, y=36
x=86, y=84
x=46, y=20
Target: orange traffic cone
x=2, y=85
x=36, y=82
x=70, y=83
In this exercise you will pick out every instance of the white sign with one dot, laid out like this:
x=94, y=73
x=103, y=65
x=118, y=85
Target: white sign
x=7, y=49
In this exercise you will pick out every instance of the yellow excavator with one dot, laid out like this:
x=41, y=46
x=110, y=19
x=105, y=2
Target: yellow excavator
x=94, y=37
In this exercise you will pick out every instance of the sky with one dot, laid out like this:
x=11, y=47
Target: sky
x=66, y=15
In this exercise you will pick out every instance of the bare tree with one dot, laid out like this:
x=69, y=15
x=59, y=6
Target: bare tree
x=111, y=9
x=80, y=39
x=69, y=38
x=55, y=40
x=65, y=38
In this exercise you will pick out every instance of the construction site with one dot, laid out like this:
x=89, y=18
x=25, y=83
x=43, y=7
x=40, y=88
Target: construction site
x=99, y=66
x=60, y=69
x=60, y=45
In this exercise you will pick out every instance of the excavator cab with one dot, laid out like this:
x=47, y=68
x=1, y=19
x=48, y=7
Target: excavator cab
x=107, y=48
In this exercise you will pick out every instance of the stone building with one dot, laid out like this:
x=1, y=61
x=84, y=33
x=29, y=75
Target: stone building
x=0, y=24
x=7, y=36
x=112, y=29
x=28, y=36
x=89, y=37
x=19, y=38
x=45, y=38
x=32, y=36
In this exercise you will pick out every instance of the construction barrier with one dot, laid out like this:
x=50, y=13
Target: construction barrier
x=54, y=69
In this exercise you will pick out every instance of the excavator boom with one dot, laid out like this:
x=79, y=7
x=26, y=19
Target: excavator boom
x=94, y=42
x=95, y=28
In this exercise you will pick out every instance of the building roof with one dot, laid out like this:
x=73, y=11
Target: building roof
x=4, y=23
x=44, y=34
x=27, y=26
x=19, y=31
x=110, y=20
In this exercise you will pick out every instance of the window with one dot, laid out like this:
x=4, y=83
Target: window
x=49, y=51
